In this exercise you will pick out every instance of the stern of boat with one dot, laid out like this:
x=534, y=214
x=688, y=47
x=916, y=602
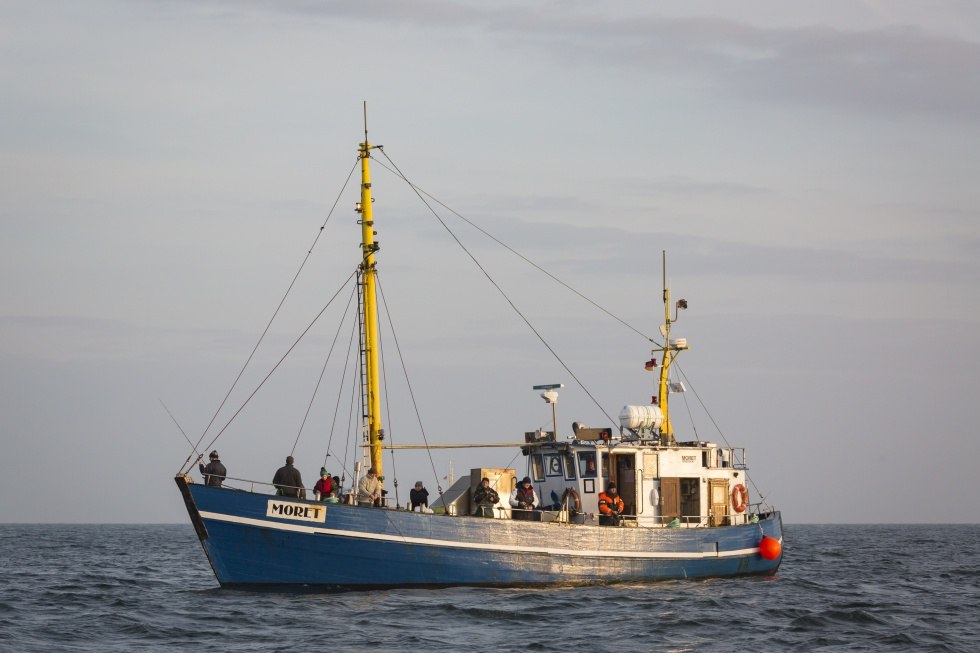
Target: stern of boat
x=771, y=525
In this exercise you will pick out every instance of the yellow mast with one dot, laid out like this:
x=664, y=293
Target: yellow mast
x=370, y=304
x=663, y=392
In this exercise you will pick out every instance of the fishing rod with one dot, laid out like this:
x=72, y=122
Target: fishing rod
x=200, y=456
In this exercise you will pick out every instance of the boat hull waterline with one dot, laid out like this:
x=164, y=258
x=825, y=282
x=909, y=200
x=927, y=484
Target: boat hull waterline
x=356, y=547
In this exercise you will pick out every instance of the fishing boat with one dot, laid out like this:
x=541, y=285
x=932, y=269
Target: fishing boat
x=685, y=509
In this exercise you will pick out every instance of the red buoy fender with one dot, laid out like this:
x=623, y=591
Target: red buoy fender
x=740, y=498
x=770, y=548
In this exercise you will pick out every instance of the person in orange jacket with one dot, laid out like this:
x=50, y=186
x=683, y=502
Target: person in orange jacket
x=611, y=506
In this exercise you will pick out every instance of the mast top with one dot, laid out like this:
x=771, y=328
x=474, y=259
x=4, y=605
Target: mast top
x=670, y=350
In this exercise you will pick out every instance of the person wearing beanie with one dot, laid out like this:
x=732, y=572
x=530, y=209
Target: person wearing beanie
x=214, y=472
x=524, y=501
x=323, y=486
x=419, y=497
x=288, y=480
x=485, y=499
x=611, y=506
x=369, y=489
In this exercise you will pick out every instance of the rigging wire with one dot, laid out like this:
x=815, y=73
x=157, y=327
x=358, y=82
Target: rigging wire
x=323, y=370
x=397, y=172
x=502, y=293
x=276, y=366
x=340, y=391
x=386, y=395
x=351, y=424
x=690, y=415
x=513, y=251
x=749, y=479
x=703, y=406
x=282, y=301
x=411, y=392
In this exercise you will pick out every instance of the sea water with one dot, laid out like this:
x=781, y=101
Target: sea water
x=149, y=588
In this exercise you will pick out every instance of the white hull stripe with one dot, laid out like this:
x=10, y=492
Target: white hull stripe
x=480, y=546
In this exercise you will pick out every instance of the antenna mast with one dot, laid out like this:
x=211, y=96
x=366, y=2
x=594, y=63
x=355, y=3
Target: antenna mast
x=669, y=347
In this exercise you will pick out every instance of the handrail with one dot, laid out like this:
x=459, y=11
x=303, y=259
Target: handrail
x=684, y=521
x=263, y=483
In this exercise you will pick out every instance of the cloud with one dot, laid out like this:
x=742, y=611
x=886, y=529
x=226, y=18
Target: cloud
x=892, y=70
x=60, y=338
x=688, y=185
x=606, y=250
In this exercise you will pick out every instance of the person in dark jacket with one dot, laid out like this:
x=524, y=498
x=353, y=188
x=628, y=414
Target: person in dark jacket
x=485, y=498
x=214, y=472
x=288, y=480
x=419, y=496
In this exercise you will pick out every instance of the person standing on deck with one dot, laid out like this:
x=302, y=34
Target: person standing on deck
x=611, y=506
x=369, y=488
x=214, y=473
x=485, y=499
x=523, y=500
x=288, y=480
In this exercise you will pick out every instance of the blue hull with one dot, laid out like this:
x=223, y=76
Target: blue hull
x=249, y=543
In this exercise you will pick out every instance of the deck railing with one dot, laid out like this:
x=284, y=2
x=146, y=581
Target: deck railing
x=565, y=516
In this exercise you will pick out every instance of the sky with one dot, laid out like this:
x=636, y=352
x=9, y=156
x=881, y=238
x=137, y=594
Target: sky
x=810, y=170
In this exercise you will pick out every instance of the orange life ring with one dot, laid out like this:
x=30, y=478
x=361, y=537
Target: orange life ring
x=576, y=501
x=740, y=498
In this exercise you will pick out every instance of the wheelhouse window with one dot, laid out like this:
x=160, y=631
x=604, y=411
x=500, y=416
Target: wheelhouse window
x=552, y=464
x=569, y=460
x=537, y=467
x=586, y=464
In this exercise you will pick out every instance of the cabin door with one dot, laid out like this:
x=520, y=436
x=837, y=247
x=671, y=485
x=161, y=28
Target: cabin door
x=718, y=493
x=625, y=479
x=670, y=498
